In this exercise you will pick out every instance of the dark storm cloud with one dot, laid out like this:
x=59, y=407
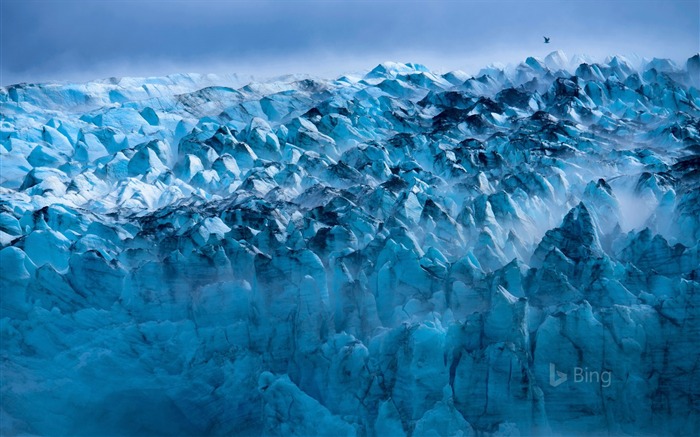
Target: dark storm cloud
x=77, y=40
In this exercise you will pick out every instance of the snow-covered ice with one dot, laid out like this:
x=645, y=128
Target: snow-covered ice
x=404, y=253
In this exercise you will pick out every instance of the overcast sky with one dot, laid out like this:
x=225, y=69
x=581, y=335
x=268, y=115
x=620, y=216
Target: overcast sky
x=77, y=40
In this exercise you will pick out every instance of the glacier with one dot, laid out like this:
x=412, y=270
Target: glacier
x=401, y=253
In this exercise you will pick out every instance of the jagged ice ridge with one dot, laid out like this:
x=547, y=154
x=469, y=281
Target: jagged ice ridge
x=403, y=253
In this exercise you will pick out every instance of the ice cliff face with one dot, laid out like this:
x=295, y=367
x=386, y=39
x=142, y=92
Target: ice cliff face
x=403, y=253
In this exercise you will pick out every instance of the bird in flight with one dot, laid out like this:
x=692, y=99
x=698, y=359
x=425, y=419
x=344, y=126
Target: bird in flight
x=546, y=40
